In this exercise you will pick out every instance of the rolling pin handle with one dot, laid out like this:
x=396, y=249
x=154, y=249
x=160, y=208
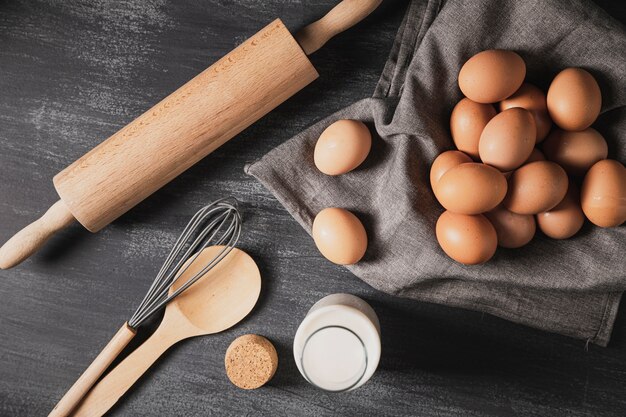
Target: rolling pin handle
x=342, y=17
x=26, y=242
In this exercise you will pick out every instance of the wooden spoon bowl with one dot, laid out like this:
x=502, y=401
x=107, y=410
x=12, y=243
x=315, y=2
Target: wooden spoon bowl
x=222, y=297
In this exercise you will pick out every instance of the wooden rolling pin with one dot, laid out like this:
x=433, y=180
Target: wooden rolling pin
x=186, y=126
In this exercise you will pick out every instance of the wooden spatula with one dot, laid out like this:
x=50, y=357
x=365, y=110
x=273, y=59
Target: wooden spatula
x=218, y=301
x=186, y=126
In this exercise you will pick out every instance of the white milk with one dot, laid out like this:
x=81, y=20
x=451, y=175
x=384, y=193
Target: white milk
x=337, y=346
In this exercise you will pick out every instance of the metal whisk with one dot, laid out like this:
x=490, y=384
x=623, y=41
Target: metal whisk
x=217, y=224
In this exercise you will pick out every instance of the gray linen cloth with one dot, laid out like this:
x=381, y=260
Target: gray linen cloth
x=570, y=287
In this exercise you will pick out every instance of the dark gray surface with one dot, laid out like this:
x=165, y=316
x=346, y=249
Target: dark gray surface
x=71, y=74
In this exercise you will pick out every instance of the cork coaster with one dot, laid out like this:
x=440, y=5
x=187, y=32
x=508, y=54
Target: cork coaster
x=251, y=361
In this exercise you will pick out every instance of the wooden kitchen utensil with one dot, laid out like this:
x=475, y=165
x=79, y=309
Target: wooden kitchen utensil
x=218, y=301
x=217, y=225
x=186, y=126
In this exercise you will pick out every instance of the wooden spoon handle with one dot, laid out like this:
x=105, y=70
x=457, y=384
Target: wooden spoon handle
x=69, y=401
x=32, y=237
x=110, y=389
x=342, y=17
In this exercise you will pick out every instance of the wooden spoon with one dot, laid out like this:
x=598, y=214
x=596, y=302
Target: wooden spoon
x=218, y=301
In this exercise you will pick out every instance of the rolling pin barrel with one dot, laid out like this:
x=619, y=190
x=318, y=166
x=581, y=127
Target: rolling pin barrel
x=185, y=127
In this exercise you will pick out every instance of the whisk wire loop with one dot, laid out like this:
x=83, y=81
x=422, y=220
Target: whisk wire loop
x=218, y=223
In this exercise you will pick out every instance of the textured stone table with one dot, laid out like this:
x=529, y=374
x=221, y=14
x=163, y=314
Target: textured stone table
x=71, y=74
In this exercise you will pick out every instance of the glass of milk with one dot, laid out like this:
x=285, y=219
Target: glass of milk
x=337, y=346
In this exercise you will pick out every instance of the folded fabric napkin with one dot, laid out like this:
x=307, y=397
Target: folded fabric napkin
x=571, y=287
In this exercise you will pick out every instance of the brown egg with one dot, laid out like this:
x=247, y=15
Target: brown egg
x=532, y=99
x=444, y=162
x=574, y=99
x=535, y=155
x=467, y=122
x=536, y=187
x=508, y=139
x=342, y=147
x=603, y=194
x=513, y=230
x=469, y=240
x=576, y=152
x=491, y=76
x=564, y=220
x=471, y=188
x=339, y=235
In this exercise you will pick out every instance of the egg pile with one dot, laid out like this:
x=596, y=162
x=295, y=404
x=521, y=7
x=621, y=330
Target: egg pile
x=498, y=186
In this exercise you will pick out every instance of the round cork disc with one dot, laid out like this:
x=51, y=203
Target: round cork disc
x=251, y=361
